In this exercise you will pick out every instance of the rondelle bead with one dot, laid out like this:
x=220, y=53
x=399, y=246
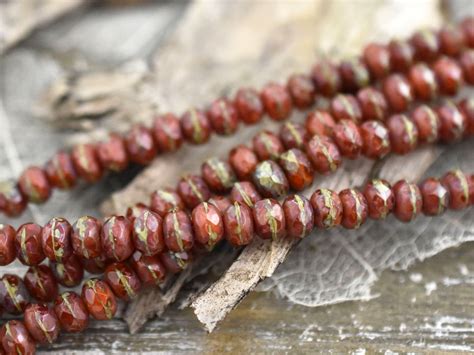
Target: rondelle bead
x=218, y=175
x=467, y=28
x=28, y=244
x=435, y=197
x=243, y=161
x=220, y=202
x=193, y=190
x=71, y=312
x=320, y=123
x=140, y=145
x=116, y=238
x=270, y=180
x=457, y=185
x=56, y=239
x=299, y=217
x=42, y=323
x=41, y=283
x=324, y=154
x=449, y=75
x=223, y=117
x=427, y=123
x=346, y=107
x=148, y=233
x=451, y=40
x=13, y=295
x=149, y=269
x=380, y=200
x=15, y=338
x=293, y=135
x=136, y=210
x=372, y=104
x=34, y=185
x=354, y=208
x=167, y=132
x=297, y=168
x=12, y=201
x=238, y=224
x=277, y=101
x=466, y=60
x=327, y=207
x=403, y=134
x=176, y=262
x=423, y=81
x=113, y=153
x=398, y=92
x=466, y=107
x=377, y=59
x=347, y=138
x=99, y=299
x=85, y=237
x=425, y=45
x=248, y=104
x=408, y=201
x=452, y=123
x=401, y=55
x=267, y=145
x=245, y=193
x=326, y=78
x=123, y=281
x=164, y=200
x=354, y=75
x=208, y=225
x=178, y=231
x=60, y=171
x=375, y=139
x=195, y=126
x=68, y=273
x=86, y=162
x=302, y=90
x=269, y=219
x=95, y=265
x=7, y=244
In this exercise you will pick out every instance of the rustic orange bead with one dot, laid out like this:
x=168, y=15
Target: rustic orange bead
x=372, y=104
x=403, y=134
x=116, y=238
x=302, y=90
x=326, y=78
x=218, y=175
x=398, y=92
x=346, y=107
x=327, y=208
x=195, y=126
x=15, y=339
x=451, y=40
x=208, y=225
x=141, y=147
x=354, y=208
x=427, y=123
x=13, y=295
x=267, y=145
x=320, y=123
x=435, y=197
x=347, y=138
x=408, y=201
x=299, y=216
x=167, y=132
x=425, y=45
x=277, y=101
x=70, y=272
x=71, y=312
x=452, y=122
x=113, y=153
x=12, y=201
x=42, y=323
x=243, y=160
x=60, y=171
x=178, y=231
x=375, y=139
x=297, y=168
x=293, y=135
x=467, y=28
x=269, y=219
x=467, y=65
x=423, y=81
x=245, y=193
x=238, y=224
x=401, y=55
x=354, y=75
x=449, y=75
x=223, y=117
x=220, y=202
x=324, y=154
x=193, y=190
x=248, y=104
x=147, y=233
x=380, y=200
x=86, y=162
x=176, y=262
x=41, y=283
x=270, y=180
x=28, y=244
x=458, y=186
x=123, y=281
x=34, y=185
x=149, y=269
x=85, y=237
x=377, y=59
x=56, y=239
x=7, y=244
x=466, y=107
x=164, y=200
x=99, y=299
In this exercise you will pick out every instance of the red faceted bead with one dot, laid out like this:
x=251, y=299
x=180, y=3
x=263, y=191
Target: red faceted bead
x=372, y=104
x=452, y=123
x=95, y=265
x=113, y=153
x=41, y=283
x=326, y=78
x=208, y=225
x=141, y=147
x=85, y=237
x=348, y=139
x=42, y=323
x=403, y=134
x=302, y=90
x=15, y=339
x=149, y=269
x=148, y=233
x=220, y=202
x=13, y=295
x=277, y=101
x=195, y=126
x=243, y=160
x=451, y=40
x=327, y=207
x=218, y=175
x=299, y=216
x=427, y=123
x=86, y=162
x=346, y=107
x=12, y=201
x=354, y=75
x=7, y=244
x=116, y=238
x=245, y=193
x=193, y=190
x=28, y=244
x=249, y=106
x=449, y=75
x=423, y=81
x=467, y=27
x=270, y=180
x=466, y=107
x=164, y=200
x=55, y=239
x=408, y=201
x=401, y=55
x=320, y=123
x=167, y=132
x=425, y=45
x=123, y=281
x=354, y=208
x=99, y=299
x=34, y=185
x=269, y=219
x=293, y=135
x=297, y=168
x=267, y=145
x=458, y=186
x=71, y=312
x=60, y=171
x=324, y=154
x=176, y=262
x=377, y=59
x=375, y=139
x=178, y=231
x=69, y=273
x=380, y=200
x=467, y=65
x=223, y=117
x=238, y=224
x=435, y=197
x=398, y=92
